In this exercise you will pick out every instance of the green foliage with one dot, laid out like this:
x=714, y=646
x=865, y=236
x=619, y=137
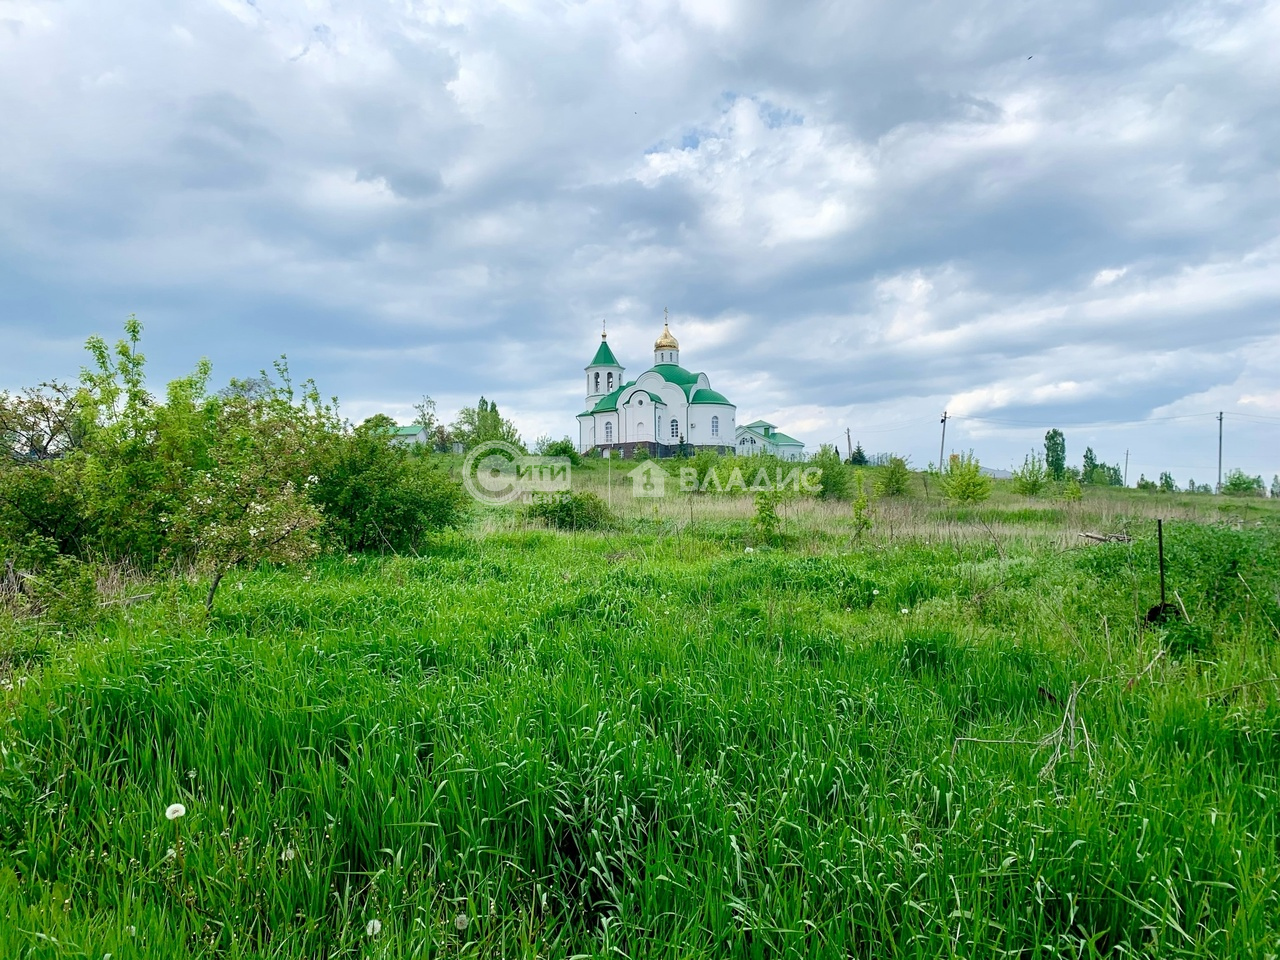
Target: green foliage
x=1145, y=484
x=1055, y=455
x=375, y=496
x=835, y=477
x=1275, y=485
x=859, y=457
x=557, y=738
x=1100, y=474
x=483, y=423
x=1032, y=477
x=1240, y=484
x=564, y=447
x=1072, y=491
x=567, y=510
x=964, y=481
x=1167, y=483
x=861, y=506
x=893, y=479
x=766, y=521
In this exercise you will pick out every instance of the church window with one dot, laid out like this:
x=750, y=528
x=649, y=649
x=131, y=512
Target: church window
x=597, y=383
x=675, y=428
x=608, y=431
x=611, y=383
x=715, y=426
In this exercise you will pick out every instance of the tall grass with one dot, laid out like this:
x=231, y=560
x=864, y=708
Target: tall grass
x=652, y=743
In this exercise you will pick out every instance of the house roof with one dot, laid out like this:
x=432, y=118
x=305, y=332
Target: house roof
x=758, y=423
x=410, y=431
x=781, y=439
x=604, y=356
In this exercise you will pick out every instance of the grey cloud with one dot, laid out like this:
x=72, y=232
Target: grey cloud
x=411, y=200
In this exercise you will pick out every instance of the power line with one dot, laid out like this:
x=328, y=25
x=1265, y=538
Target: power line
x=1088, y=423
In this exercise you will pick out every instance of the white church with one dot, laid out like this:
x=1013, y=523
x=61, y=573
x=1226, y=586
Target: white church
x=665, y=409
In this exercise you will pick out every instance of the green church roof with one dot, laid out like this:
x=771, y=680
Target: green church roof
x=610, y=400
x=604, y=357
x=707, y=395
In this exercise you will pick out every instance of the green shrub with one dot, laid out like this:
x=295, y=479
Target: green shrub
x=1032, y=477
x=766, y=520
x=835, y=477
x=572, y=511
x=374, y=496
x=964, y=481
x=894, y=479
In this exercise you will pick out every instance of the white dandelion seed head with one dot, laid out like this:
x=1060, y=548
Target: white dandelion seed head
x=905, y=610
x=373, y=928
x=174, y=811
x=461, y=921
x=875, y=593
x=749, y=550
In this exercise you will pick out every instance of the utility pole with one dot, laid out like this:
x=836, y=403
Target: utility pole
x=1126, y=468
x=848, y=442
x=1219, y=488
x=942, y=446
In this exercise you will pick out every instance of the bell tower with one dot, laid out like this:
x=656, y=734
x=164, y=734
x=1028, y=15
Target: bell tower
x=604, y=372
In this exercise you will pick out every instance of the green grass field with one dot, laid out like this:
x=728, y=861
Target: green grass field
x=951, y=736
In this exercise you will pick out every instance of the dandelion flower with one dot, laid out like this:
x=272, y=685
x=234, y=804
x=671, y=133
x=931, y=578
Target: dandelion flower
x=750, y=550
x=875, y=593
x=373, y=928
x=905, y=610
x=461, y=921
x=175, y=811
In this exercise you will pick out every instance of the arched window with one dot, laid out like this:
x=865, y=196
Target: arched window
x=675, y=428
x=611, y=383
x=597, y=383
x=608, y=431
x=715, y=426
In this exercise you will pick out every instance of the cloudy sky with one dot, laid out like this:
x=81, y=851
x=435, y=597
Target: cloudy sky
x=1028, y=213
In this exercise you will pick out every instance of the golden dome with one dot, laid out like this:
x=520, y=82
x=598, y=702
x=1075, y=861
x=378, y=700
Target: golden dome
x=666, y=341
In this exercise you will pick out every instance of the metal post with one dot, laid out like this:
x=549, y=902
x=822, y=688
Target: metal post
x=942, y=446
x=1219, y=490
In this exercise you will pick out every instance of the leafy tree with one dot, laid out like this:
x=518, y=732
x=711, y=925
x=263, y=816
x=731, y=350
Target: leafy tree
x=835, y=481
x=1072, y=492
x=859, y=457
x=1240, y=484
x=40, y=423
x=140, y=456
x=1275, y=485
x=1145, y=484
x=426, y=418
x=1089, y=465
x=964, y=480
x=1055, y=454
x=1032, y=477
x=247, y=508
x=482, y=423
x=894, y=479
x=1167, y=483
